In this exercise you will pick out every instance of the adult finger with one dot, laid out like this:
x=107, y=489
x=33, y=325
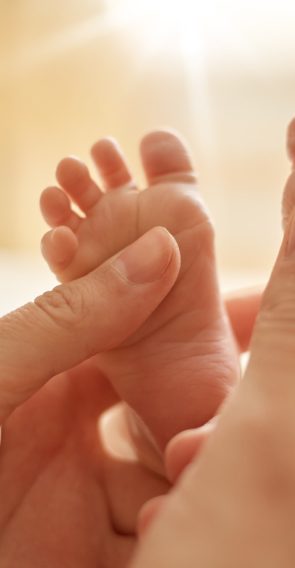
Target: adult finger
x=76, y=320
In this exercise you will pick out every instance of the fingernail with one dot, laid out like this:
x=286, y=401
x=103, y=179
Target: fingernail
x=147, y=259
x=291, y=238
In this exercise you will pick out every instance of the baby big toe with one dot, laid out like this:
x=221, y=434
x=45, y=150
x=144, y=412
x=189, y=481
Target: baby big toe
x=165, y=157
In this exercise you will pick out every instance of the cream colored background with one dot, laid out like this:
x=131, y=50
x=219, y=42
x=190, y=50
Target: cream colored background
x=67, y=78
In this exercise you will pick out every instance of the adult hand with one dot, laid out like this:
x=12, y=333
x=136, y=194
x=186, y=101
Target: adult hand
x=235, y=506
x=61, y=496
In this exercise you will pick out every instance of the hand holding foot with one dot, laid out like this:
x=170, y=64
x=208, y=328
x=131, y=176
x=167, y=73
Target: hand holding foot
x=55, y=505
x=234, y=503
x=175, y=371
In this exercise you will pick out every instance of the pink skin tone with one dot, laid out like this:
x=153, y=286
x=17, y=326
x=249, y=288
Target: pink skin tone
x=234, y=505
x=186, y=446
x=177, y=369
x=64, y=499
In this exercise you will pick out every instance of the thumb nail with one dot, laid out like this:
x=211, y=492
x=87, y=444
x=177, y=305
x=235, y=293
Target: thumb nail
x=148, y=258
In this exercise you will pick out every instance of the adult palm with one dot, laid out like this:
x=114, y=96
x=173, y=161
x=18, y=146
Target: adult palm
x=64, y=501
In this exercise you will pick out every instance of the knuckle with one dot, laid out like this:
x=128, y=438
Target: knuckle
x=64, y=305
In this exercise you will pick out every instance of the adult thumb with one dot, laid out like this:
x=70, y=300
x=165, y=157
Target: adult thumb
x=79, y=319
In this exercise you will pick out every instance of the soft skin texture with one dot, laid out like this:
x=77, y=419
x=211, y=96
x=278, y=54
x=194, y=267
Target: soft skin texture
x=65, y=497
x=177, y=369
x=58, y=485
x=234, y=506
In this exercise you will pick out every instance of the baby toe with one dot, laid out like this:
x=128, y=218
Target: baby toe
x=111, y=163
x=165, y=157
x=74, y=177
x=56, y=209
x=59, y=247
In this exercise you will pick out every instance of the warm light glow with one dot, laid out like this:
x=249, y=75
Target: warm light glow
x=235, y=29
x=173, y=26
x=249, y=32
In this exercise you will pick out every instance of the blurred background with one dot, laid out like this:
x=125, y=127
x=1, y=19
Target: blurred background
x=219, y=71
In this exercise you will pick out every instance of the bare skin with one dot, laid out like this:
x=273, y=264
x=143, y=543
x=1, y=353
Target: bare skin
x=235, y=505
x=185, y=448
x=65, y=501
x=61, y=495
x=177, y=369
x=62, y=498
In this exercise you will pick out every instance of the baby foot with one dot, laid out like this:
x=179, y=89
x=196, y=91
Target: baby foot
x=177, y=369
